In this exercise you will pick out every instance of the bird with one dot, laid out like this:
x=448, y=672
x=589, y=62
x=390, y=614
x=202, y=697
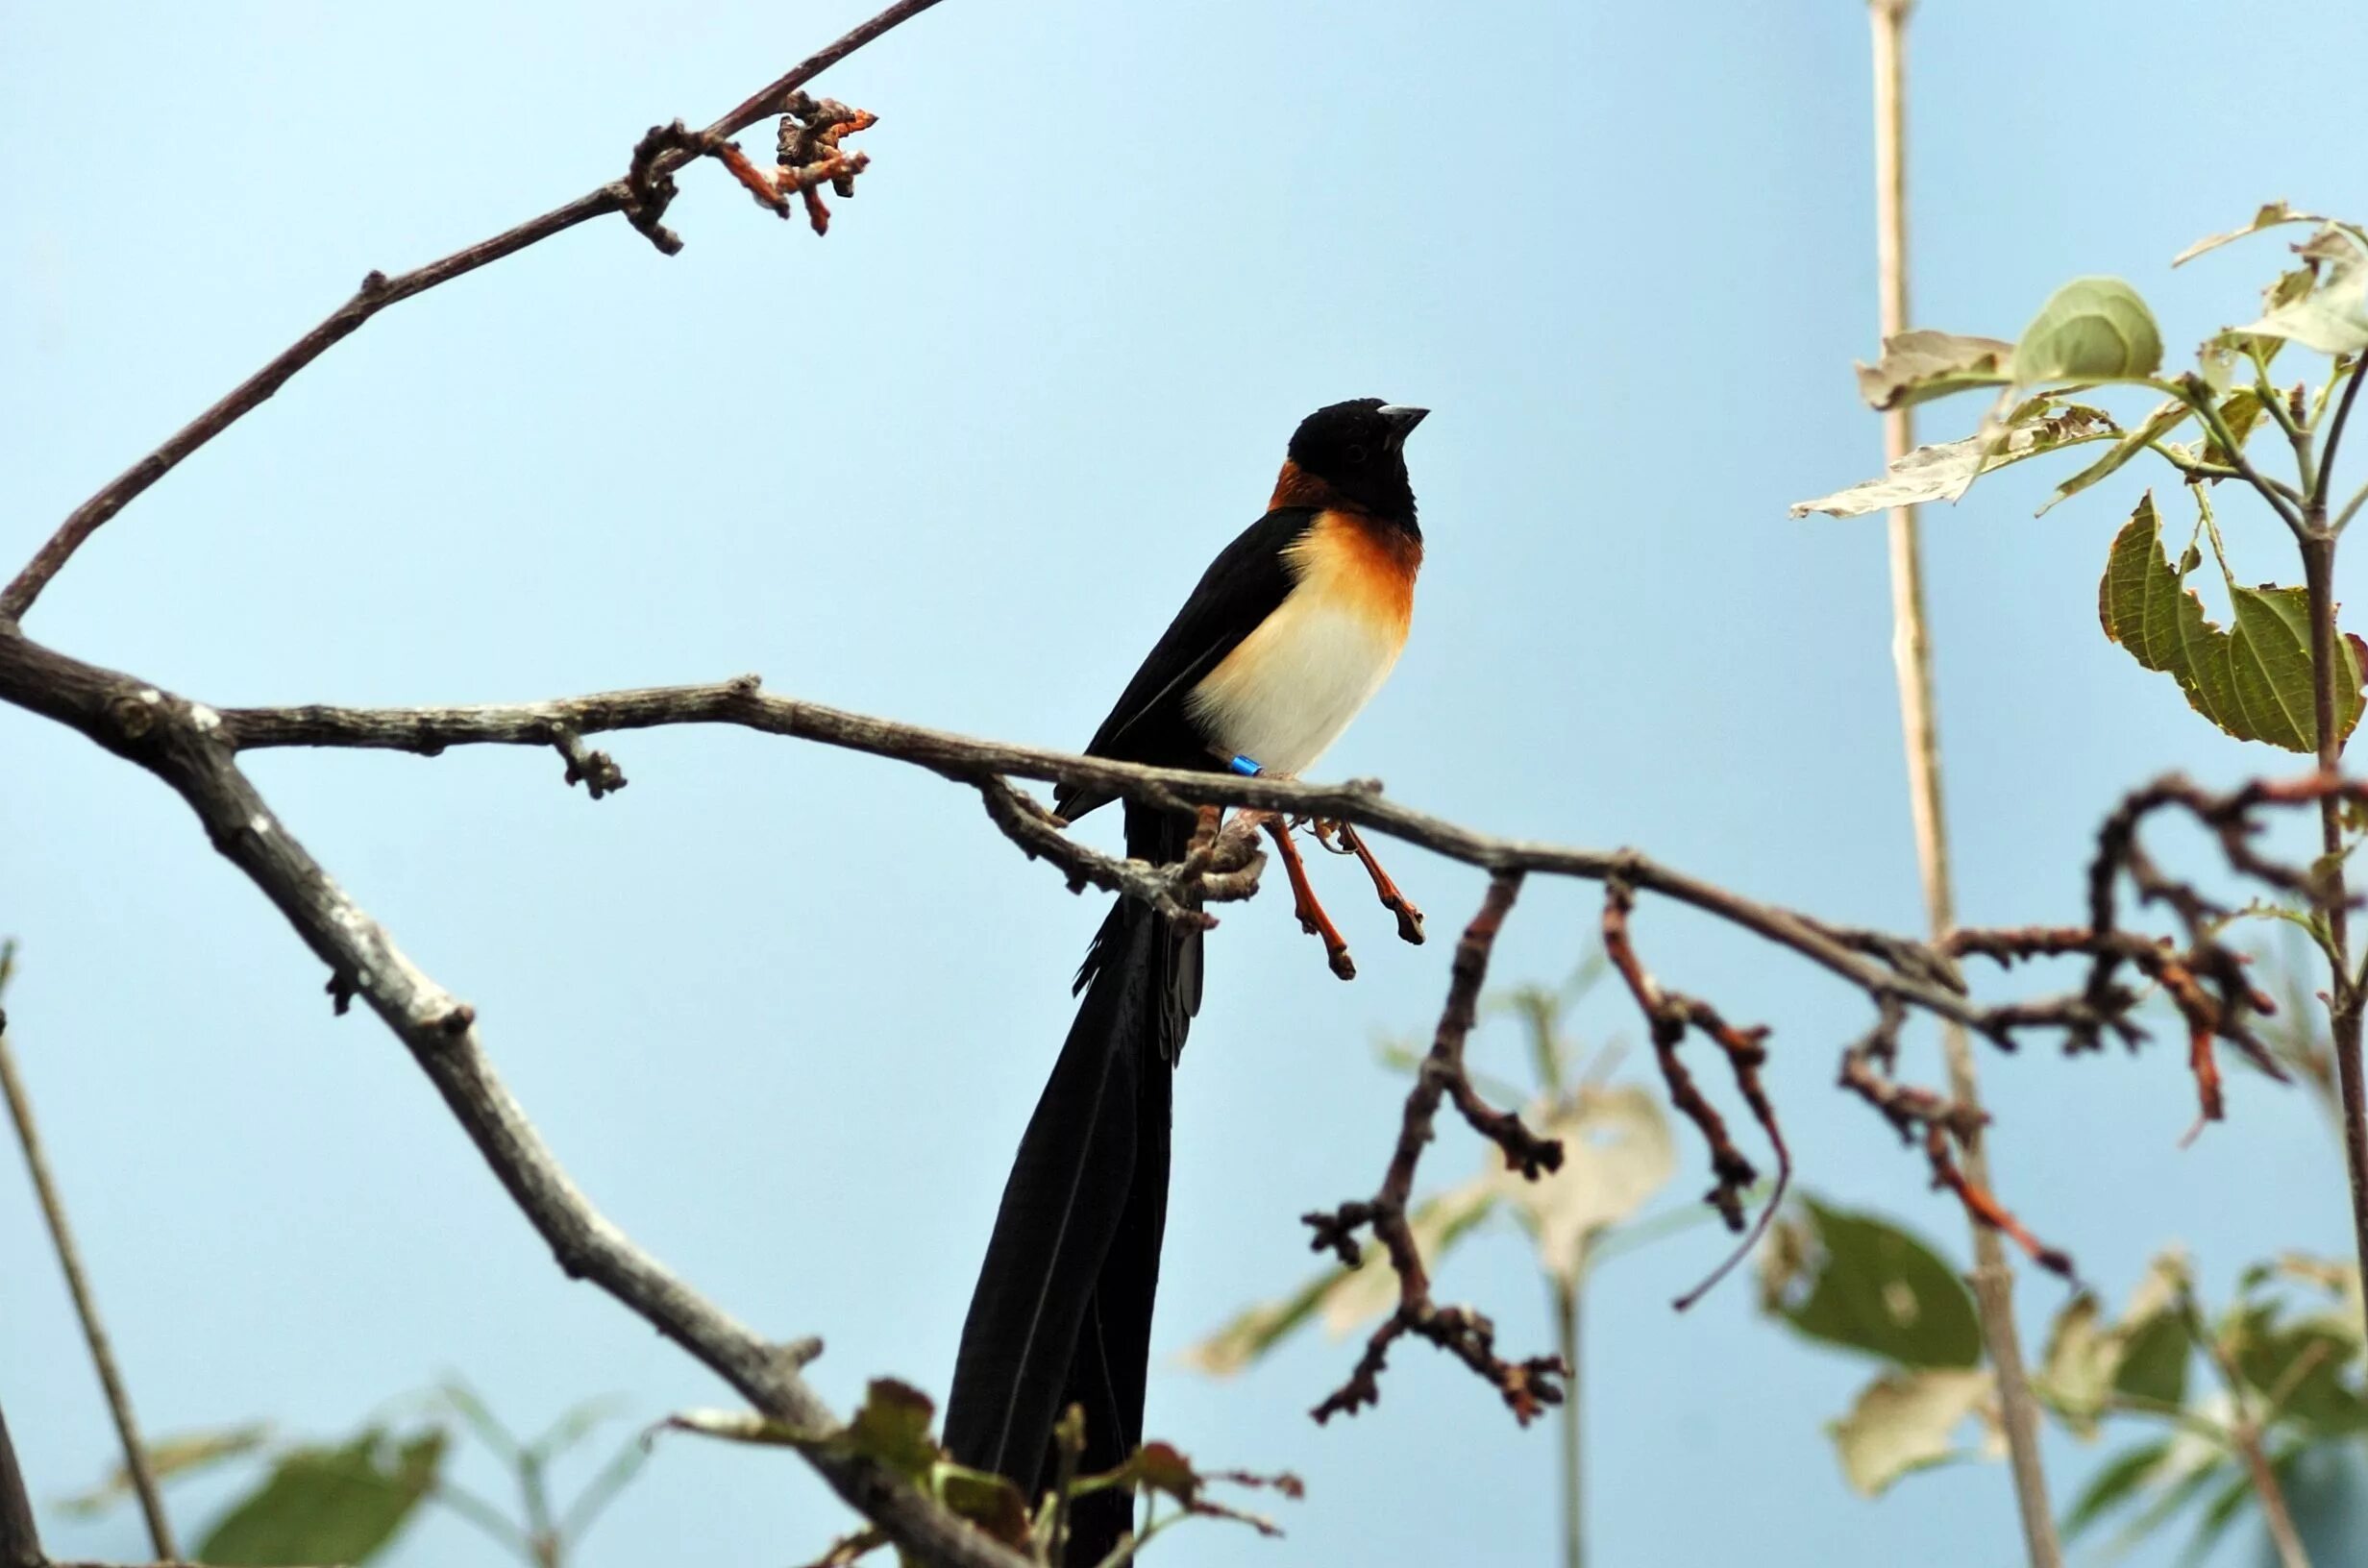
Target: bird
x=1289, y=633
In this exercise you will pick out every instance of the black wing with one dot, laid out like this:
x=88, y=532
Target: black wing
x=1249, y=581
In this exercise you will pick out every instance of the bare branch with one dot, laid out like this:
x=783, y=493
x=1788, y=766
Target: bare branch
x=187, y=746
x=1529, y=1385
x=743, y=701
x=642, y=195
x=85, y=1304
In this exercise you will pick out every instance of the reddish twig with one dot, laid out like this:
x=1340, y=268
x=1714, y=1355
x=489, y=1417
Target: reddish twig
x=809, y=154
x=1668, y=1016
x=1866, y=1068
x=1528, y=1386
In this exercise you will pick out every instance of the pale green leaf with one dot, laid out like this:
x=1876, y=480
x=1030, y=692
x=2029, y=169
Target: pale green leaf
x=1616, y=1154
x=1917, y=367
x=2076, y=1370
x=1906, y=1421
x=1945, y=470
x=2333, y=317
x=1363, y=1293
x=2093, y=329
x=181, y=1454
x=2255, y=682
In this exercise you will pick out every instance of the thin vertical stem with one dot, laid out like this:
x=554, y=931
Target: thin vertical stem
x=2344, y=997
x=1573, y=1491
x=1993, y=1282
x=85, y=1305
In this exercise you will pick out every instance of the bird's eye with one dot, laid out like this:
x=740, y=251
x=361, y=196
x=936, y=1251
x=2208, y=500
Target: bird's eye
x=1356, y=456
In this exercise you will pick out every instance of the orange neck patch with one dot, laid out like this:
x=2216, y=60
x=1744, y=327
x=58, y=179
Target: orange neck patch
x=1297, y=487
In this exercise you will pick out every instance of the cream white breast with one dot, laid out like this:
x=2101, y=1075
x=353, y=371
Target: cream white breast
x=1287, y=692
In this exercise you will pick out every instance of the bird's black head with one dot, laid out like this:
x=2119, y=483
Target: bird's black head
x=1353, y=453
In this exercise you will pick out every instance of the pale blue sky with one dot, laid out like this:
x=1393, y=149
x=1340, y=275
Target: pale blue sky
x=784, y=1011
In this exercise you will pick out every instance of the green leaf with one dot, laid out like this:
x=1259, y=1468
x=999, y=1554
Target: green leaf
x=2154, y=1360
x=1944, y=472
x=2305, y=1364
x=2091, y=329
x=988, y=1501
x=1874, y=1287
x=2114, y=1484
x=183, y=1454
x=1917, y=367
x=892, y=1427
x=1904, y=1421
x=2254, y=681
x=2333, y=317
x=327, y=1505
x=2270, y=215
x=2222, y=1511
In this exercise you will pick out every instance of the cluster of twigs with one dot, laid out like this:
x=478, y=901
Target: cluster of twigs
x=1527, y=1386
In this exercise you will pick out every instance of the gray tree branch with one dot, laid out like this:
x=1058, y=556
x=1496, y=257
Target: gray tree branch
x=186, y=745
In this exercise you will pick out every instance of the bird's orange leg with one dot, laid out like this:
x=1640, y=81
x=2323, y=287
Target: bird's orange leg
x=1312, y=918
x=1409, y=918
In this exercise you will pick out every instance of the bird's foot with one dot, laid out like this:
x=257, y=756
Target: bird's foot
x=1392, y=900
x=1303, y=902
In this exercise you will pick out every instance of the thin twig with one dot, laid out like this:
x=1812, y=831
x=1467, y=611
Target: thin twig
x=641, y=194
x=85, y=1303
x=1993, y=1282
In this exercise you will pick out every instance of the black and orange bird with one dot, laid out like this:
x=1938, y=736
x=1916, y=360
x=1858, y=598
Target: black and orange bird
x=1288, y=634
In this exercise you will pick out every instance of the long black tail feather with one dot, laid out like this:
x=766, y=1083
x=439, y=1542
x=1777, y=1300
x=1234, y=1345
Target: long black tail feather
x=1062, y=1310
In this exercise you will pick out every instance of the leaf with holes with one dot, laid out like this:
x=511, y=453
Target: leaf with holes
x=1865, y=1284
x=1946, y=471
x=1917, y=367
x=2254, y=681
x=2159, y=424
x=2093, y=329
x=2333, y=317
x=1907, y=1421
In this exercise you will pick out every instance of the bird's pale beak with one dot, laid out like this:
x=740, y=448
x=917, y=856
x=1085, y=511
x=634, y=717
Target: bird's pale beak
x=1402, y=421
